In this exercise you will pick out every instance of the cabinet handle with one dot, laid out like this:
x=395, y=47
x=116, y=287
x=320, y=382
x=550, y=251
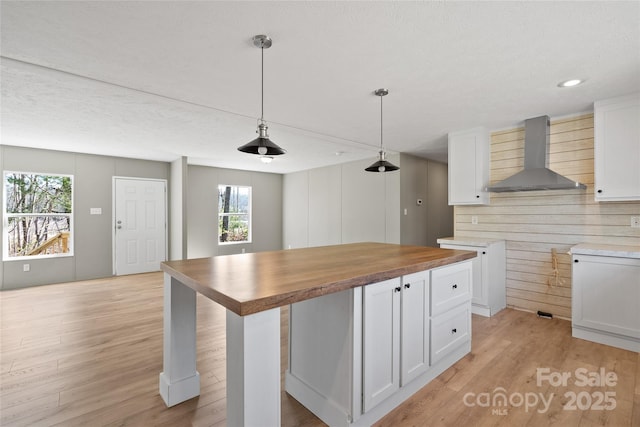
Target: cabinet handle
x=575, y=260
x=477, y=196
x=398, y=289
x=484, y=253
x=455, y=286
x=599, y=191
x=453, y=331
x=408, y=285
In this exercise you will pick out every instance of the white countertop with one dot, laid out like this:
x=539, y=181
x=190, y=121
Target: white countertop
x=468, y=241
x=606, y=250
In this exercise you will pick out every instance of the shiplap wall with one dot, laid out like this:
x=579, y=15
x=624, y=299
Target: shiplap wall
x=533, y=223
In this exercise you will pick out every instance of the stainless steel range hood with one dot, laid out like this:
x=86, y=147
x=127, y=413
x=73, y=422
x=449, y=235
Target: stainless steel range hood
x=536, y=174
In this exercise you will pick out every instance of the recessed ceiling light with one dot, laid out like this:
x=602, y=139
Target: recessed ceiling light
x=570, y=83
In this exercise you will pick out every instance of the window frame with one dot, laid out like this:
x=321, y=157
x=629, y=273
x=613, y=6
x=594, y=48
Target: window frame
x=6, y=215
x=249, y=215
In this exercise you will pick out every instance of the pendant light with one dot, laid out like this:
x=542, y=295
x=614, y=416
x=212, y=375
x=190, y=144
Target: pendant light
x=381, y=165
x=262, y=145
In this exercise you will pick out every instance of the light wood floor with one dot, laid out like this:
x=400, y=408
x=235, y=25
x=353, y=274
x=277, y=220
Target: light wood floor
x=89, y=354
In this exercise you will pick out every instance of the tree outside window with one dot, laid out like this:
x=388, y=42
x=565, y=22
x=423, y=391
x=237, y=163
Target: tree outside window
x=38, y=212
x=234, y=214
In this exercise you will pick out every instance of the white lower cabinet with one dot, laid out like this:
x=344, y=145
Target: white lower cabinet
x=450, y=330
x=415, y=331
x=489, y=293
x=381, y=341
x=357, y=354
x=606, y=300
x=395, y=335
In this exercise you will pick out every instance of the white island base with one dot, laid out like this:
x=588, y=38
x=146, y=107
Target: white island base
x=356, y=355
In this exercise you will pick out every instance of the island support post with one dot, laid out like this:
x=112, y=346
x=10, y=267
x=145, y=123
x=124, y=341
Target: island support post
x=253, y=358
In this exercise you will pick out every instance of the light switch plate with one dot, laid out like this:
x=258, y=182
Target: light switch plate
x=95, y=211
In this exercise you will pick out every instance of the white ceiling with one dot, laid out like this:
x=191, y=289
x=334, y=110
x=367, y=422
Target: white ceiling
x=164, y=79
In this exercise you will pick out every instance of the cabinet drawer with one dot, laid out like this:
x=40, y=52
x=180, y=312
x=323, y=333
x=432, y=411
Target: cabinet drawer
x=450, y=286
x=449, y=331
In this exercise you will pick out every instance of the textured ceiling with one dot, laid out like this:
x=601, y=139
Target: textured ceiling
x=165, y=79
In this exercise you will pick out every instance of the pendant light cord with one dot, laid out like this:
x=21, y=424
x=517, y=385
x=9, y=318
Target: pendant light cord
x=381, y=123
x=262, y=83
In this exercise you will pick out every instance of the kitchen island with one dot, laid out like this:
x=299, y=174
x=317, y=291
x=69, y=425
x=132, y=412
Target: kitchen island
x=252, y=287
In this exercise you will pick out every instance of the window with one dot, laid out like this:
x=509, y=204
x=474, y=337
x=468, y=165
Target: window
x=234, y=214
x=38, y=212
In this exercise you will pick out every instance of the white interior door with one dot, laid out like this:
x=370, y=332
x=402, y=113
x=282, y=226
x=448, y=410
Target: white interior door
x=140, y=230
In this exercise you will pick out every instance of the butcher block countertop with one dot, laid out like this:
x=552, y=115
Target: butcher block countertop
x=254, y=282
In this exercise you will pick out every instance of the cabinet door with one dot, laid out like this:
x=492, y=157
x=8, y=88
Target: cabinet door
x=606, y=294
x=617, y=149
x=414, y=325
x=381, y=341
x=468, y=167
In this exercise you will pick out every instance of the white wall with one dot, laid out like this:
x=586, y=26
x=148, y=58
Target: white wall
x=426, y=180
x=202, y=210
x=341, y=204
x=177, y=209
x=325, y=206
x=344, y=204
x=295, y=210
x=92, y=236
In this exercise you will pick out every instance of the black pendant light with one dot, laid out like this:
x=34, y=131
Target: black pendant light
x=381, y=165
x=262, y=145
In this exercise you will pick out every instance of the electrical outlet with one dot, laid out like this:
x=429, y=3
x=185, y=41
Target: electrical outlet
x=635, y=221
x=474, y=220
x=26, y=267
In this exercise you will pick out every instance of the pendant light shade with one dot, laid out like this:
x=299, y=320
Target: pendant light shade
x=262, y=145
x=382, y=165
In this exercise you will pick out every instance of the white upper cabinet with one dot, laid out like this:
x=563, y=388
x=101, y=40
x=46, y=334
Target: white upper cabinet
x=617, y=148
x=469, y=167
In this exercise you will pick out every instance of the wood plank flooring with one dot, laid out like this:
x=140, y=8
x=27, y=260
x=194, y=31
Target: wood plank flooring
x=89, y=354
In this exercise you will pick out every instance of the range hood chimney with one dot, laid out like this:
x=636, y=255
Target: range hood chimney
x=536, y=175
